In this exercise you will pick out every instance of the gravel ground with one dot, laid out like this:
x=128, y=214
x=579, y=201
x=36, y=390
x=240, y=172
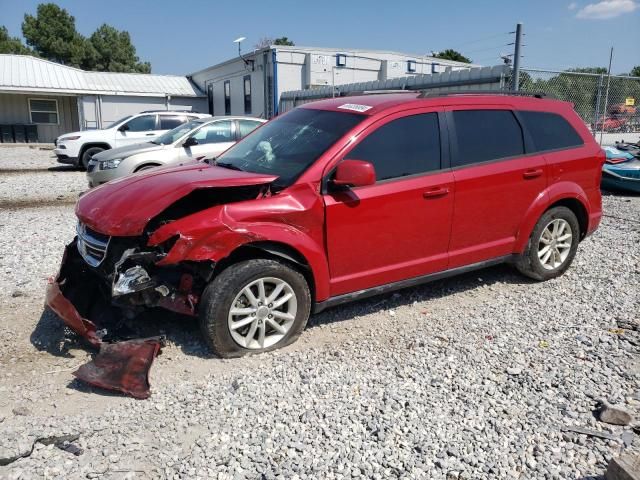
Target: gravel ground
x=474, y=377
x=27, y=158
x=32, y=176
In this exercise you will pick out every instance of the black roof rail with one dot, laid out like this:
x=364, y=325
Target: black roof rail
x=427, y=93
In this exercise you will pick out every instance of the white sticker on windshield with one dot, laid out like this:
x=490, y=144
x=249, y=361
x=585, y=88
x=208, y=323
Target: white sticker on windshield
x=355, y=107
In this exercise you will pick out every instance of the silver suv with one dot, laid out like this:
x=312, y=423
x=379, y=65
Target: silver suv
x=200, y=139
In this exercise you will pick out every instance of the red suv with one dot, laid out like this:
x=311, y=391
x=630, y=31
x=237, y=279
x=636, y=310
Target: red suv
x=335, y=201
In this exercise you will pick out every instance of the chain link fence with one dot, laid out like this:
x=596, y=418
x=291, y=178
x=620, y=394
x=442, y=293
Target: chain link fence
x=606, y=104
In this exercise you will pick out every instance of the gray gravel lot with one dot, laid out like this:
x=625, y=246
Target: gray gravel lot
x=475, y=377
x=32, y=176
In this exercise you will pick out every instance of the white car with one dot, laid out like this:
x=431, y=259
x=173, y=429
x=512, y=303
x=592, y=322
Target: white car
x=76, y=148
x=200, y=139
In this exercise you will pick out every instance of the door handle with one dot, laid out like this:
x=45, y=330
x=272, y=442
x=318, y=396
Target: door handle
x=150, y=134
x=436, y=192
x=533, y=173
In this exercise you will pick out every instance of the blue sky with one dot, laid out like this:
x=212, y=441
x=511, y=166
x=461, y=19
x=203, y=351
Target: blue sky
x=182, y=37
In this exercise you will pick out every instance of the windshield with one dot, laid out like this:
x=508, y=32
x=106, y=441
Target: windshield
x=178, y=132
x=111, y=125
x=288, y=145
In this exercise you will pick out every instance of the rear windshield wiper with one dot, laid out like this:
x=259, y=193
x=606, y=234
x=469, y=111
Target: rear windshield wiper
x=230, y=166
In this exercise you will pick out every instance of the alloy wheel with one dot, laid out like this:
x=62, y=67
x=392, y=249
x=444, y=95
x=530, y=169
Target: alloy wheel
x=555, y=243
x=262, y=313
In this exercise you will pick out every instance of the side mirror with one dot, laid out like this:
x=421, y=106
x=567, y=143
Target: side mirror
x=123, y=128
x=354, y=173
x=190, y=142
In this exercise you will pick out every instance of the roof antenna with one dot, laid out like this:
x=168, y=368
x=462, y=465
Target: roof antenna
x=239, y=41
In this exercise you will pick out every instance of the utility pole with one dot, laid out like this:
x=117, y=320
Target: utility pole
x=606, y=96
x=516, y=58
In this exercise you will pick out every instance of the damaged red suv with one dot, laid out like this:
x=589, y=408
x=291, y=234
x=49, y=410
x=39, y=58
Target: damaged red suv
x=335, y=201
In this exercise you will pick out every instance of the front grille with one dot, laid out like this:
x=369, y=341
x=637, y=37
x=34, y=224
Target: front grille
x=92, y=245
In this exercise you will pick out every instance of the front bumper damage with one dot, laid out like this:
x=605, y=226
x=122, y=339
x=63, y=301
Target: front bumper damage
x=96, y=305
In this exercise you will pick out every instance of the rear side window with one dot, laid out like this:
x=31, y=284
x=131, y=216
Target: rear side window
x=169, y=122
x=483, y=135
x=550, y=131
x=402, y=147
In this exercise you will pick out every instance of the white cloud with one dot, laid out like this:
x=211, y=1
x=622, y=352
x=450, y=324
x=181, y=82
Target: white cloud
x=572, y=6
x=607, y=9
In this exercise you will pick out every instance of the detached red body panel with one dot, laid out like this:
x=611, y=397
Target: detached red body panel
x=122, y=367
x=57, y=302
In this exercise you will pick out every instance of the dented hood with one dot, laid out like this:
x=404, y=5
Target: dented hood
x=123, y=207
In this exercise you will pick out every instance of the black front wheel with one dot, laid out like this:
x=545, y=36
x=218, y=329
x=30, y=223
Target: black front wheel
x=88, y=153
x=254, y=306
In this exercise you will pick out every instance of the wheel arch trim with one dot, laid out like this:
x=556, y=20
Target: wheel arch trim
x=563, y=193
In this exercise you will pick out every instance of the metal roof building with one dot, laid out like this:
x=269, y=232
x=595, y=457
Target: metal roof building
x=253, y=84
x=70, y=99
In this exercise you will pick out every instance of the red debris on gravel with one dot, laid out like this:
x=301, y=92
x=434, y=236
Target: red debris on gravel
x=122, y=366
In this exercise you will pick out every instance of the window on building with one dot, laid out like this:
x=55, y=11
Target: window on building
x=483, y=135
x=247, y=94
x=210, y=98
x=168, y=122
x=402, y=147
x=227, y=97
x=143, y=123
x=218, y=132
x=247, y=126
x=411, y=66
x=550, y=131
x=43, y=111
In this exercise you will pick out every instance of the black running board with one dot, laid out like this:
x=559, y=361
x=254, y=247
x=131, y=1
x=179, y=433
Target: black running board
x=410, y=282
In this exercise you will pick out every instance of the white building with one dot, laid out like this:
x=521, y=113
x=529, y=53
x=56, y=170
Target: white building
x=54, y=99
x=252, y=85
x=41, y=100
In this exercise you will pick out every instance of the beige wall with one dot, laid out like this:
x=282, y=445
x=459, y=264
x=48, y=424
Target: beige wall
x=14, y=108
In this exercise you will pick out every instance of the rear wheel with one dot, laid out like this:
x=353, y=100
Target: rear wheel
x=88, y=153
x=552, y=245
x=254, y=306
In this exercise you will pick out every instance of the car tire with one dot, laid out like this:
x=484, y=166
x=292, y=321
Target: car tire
x=87, y=154
x=551, y=246
x=234, y=324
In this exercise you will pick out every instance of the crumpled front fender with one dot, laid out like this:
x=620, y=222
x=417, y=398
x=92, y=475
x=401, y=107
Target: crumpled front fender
x=294, y=218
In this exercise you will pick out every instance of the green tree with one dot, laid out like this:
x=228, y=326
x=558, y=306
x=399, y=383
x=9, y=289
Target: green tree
x=598, y=70
x=12, y=44
x=114, y=52
x=283, y=41
x=52, y=35
x=635, y=71
x=450, y=54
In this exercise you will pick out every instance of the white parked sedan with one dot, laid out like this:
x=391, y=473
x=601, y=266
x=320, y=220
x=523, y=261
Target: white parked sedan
x=201, y=139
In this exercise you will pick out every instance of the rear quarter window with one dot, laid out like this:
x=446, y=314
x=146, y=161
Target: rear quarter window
x=550, y=131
